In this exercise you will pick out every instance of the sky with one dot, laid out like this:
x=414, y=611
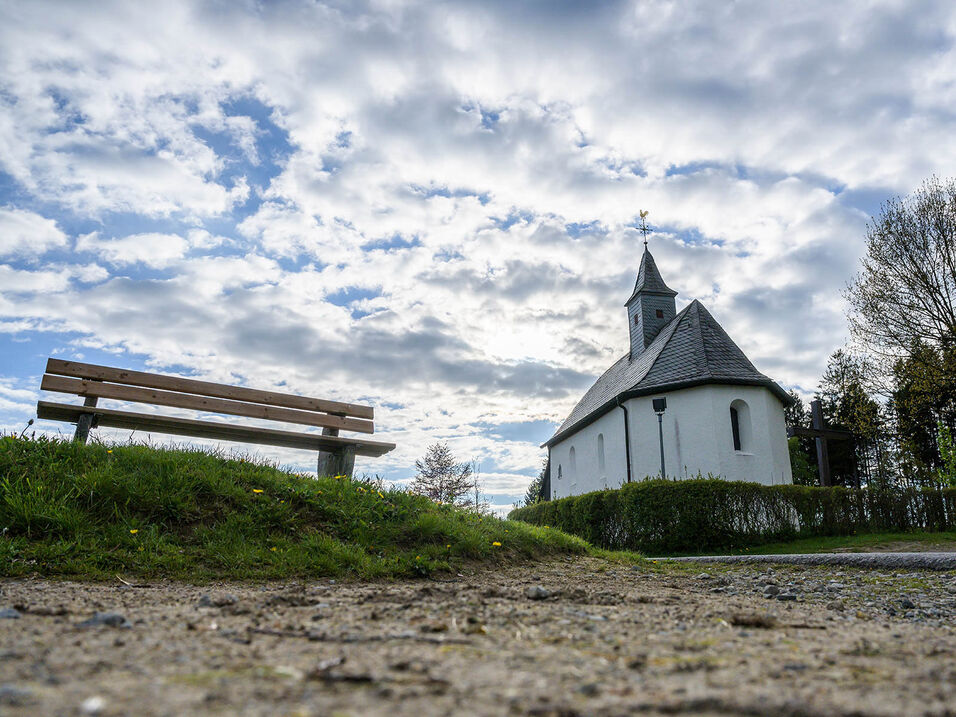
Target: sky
x=431, y=207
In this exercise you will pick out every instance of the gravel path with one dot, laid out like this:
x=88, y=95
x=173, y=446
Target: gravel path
x=889, y=561
x=566, y=638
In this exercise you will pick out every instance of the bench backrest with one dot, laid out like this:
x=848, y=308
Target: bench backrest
x=95, y=382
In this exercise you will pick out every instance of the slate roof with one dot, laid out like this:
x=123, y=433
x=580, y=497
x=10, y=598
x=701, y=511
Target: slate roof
x=692, y=349
x=649, y=279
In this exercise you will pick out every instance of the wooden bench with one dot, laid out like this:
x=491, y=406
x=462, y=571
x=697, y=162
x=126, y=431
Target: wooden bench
x=336, y=454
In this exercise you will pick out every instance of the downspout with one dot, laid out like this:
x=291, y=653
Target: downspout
x=627, y=438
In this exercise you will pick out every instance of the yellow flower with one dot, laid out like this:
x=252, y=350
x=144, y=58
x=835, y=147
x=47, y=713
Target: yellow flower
x=496, y=544
x=418, y=557
x=273, y=548
x=134, y=531
x=380, y=494
x=110, y=450
x=448, y=545
x=257, y=490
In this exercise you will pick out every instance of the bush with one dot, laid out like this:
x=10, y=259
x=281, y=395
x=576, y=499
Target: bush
x=658, y=516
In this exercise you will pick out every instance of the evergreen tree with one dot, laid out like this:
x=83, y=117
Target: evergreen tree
x=533, y=494
x=847, y=404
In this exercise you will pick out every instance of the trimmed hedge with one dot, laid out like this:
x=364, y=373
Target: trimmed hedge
x=658, y=516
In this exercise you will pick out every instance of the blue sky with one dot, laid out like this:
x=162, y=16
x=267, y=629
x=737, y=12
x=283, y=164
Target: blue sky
x=430, y=207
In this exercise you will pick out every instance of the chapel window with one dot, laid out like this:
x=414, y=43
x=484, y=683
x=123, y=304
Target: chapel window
x=600, y=449
x=740, y=426
x=660, y=313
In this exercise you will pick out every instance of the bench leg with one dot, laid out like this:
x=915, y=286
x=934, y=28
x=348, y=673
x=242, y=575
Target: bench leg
x=84, y=422
x=340, y=462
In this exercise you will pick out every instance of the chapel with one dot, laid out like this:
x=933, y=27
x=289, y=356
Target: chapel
x=683, y=401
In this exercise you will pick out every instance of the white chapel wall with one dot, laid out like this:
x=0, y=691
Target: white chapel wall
x=587, y=475
x=697, y=438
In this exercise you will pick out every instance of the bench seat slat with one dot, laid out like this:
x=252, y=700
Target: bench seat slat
x=204, y=388
x=112, y=418
x=80, y=387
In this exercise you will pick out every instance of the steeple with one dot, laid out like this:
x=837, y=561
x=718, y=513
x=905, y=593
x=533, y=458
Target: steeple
x=651, y=305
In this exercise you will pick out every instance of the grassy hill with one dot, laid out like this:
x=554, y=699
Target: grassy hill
x=98, y=511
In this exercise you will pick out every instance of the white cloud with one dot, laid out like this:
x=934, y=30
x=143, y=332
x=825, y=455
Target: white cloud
x=152, y=250
x=26, y=234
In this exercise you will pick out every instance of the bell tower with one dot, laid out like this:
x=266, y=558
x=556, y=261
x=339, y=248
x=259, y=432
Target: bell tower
x=651, y=304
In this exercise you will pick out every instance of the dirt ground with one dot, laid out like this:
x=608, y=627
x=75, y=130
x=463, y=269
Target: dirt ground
x=564, y=638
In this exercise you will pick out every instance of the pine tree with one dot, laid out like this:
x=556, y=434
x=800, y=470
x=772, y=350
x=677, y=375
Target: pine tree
x=442, y=478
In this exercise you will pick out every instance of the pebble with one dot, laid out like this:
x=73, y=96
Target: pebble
x=14, y=696
x=907, y=604
x=220, y=600
x=93, y=705
x=771, y=590
x=9, y=613
x=786, y=597
x=537, y=592
x=589, y=690
x=109, y=619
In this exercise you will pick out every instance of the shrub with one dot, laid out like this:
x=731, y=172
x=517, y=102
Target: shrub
x=658, y=516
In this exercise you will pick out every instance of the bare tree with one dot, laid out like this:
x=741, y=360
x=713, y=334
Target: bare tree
x=480, y=502
x=906, y=291
x=442, y=478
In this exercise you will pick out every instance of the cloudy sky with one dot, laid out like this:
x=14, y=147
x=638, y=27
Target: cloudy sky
x=430, y=207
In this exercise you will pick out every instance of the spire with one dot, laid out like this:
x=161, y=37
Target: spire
x=651, y=305
x=649, y=279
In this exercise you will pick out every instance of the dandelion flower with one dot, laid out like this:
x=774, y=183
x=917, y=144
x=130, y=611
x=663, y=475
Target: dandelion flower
x=496, y=544
x=134, y=531
x=380, y=494
x=257, y=490
x=448, y=545
x=110, y=450
x=273, y=548
x=418, y=557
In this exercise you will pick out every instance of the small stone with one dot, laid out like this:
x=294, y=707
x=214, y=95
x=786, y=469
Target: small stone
x=9, y=613
x=835, y=605
x=786, y=597
x=589, y=690
x=220, y=600
x=536, y=592
x=14, y=696
x=907, y=604
x=434, y=626
x=108, y=619
x=771, y=590
x=93, y=705
x=703, y=576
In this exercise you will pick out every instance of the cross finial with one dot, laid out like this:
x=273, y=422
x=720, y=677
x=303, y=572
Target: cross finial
x=644, y=229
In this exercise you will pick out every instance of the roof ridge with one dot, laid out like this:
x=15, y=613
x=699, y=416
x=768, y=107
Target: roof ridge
x=698, y=325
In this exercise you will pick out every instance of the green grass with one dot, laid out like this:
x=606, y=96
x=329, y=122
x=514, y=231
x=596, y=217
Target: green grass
x=98, y=511
x=849, y=543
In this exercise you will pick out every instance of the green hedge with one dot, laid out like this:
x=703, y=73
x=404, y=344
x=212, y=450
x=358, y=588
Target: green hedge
x=658, y=516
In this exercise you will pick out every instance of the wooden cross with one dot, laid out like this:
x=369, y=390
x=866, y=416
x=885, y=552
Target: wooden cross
x=821, y=434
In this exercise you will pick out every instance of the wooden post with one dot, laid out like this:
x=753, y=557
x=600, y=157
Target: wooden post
x=823, y=454
x=340, y=462
x=85, y=422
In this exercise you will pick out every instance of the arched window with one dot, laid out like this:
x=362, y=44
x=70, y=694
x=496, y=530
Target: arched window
x=600, y=447
x=559, y=472
x=740, y=426
x=572, y=465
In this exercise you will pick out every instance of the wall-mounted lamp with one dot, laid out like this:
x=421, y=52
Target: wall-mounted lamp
x=660, y=405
